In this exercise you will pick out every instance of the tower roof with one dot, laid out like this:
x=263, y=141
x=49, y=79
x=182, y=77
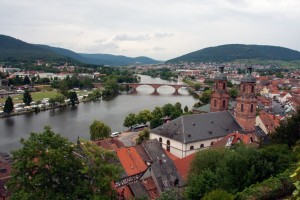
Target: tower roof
x=248, y=78
x=221, y=76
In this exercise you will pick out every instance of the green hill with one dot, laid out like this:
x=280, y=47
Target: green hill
x=14, y=50
x=232, y=52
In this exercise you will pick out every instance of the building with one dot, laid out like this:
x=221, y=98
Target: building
x=245, y=111
x=220, y=98
x=189, y=133
x=268, y=122
x=148, y=171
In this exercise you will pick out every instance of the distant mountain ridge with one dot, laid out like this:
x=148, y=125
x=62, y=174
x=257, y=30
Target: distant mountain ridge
x=12, y=49
x=232, y=52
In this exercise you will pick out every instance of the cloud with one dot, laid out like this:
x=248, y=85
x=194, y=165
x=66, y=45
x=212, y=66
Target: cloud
x=159, y=49
x=125, y=37
x=162, y=35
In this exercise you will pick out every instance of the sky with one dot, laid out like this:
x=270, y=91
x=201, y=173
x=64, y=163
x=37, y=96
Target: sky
x=160, y=29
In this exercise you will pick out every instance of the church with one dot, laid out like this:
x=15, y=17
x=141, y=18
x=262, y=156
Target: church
x=189, y=133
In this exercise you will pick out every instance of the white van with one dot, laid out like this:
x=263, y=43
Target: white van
x=114, y=134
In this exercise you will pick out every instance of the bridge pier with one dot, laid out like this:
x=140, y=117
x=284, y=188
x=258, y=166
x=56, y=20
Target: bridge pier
x=176, y=92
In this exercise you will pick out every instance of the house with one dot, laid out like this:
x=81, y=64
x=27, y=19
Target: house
x=268, y=122
x=283, y=97
x=148, y=171
x=110, y=143
x=189, y=133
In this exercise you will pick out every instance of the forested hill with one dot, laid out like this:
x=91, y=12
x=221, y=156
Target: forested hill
x=231, y=52
x=15, y=50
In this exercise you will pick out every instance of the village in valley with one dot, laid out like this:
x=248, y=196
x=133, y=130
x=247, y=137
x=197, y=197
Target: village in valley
x=245, y=106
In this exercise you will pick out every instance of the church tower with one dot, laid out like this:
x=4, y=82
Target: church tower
x=219, y=99
x=245, y=110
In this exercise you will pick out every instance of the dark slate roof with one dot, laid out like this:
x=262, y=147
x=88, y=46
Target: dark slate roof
x=248, y=78
x=221, y=76
x=199, y=127
x=162, y=166
x=138, y=189
x=259, y=132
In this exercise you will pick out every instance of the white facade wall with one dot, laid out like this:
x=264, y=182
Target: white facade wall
x=182, y=150
x=259, y=123
x=284, y=98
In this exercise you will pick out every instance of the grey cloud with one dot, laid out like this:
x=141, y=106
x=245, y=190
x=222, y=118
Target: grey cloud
x=125, y=37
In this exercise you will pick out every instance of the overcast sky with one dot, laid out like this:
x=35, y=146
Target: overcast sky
x=160, y=29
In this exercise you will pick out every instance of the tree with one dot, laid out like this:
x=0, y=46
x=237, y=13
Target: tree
x=229, y=84
x=101, y=171
x=288, y=132
x=50, y=167
x=143, y=117
x=167, y=109
x=218, y=195
x=59, y=98
x=46, y=168
x=98, y=130
x=205, y=97
x=130, y=120
x=157, y=112
x=197, y=86
x=186, y=109
x=26, y=80
x=73, y=98
x=233, y=92
x=155, y=122
x=143, y=135
x=9, y=105
x=27, y=99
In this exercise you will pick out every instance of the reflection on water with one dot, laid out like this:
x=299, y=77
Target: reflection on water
x=72, y=122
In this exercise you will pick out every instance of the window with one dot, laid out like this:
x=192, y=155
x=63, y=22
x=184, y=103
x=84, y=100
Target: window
x=224, y=86
x=215, y=103
x=252, y=89
x=242, y=108
x=212, y=143
x=216, y=85
x=191, y=147
x=251, y=109
x=202, y=146
x=168, y=145
x=160, y=140
x=224, y=103
x=244, y=88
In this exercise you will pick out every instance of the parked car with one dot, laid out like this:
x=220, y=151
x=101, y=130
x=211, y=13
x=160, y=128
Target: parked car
x=115, y=134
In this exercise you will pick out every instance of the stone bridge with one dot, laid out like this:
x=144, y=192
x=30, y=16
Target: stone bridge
x=133, y=86
x=155, y=86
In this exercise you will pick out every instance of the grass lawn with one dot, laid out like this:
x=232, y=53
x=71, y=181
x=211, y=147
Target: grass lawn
x=36, y=96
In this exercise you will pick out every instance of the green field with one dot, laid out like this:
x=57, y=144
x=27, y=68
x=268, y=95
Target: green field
x=38, y=96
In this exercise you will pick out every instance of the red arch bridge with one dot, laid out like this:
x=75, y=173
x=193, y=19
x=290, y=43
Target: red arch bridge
x=155, y=86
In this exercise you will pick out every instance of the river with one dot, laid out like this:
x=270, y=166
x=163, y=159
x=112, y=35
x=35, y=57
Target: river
x=72, y=122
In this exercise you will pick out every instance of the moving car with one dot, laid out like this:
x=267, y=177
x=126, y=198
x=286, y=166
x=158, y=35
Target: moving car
x=115, y=134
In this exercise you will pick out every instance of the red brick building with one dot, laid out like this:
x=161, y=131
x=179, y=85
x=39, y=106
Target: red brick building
x=219, y=98
x=245, y=110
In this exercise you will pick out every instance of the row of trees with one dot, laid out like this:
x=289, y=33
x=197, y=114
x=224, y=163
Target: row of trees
x=9, y=105
x=155, y=117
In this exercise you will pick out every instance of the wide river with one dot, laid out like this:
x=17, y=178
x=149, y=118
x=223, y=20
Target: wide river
x=72, y=122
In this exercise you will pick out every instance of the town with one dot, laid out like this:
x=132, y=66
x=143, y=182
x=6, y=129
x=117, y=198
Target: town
x=238, y=103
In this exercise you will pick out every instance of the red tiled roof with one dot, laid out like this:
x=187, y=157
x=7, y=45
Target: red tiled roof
x=150, y=187
x=124, y=192
x=131, y=161
x=110, y=143
x=183, y=165
x=235, y=138
x=171, y=156
x=263, y=99
x=270, y=121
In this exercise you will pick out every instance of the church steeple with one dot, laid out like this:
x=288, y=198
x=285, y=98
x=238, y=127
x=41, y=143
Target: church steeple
x=246, y=102
x=219, y=99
